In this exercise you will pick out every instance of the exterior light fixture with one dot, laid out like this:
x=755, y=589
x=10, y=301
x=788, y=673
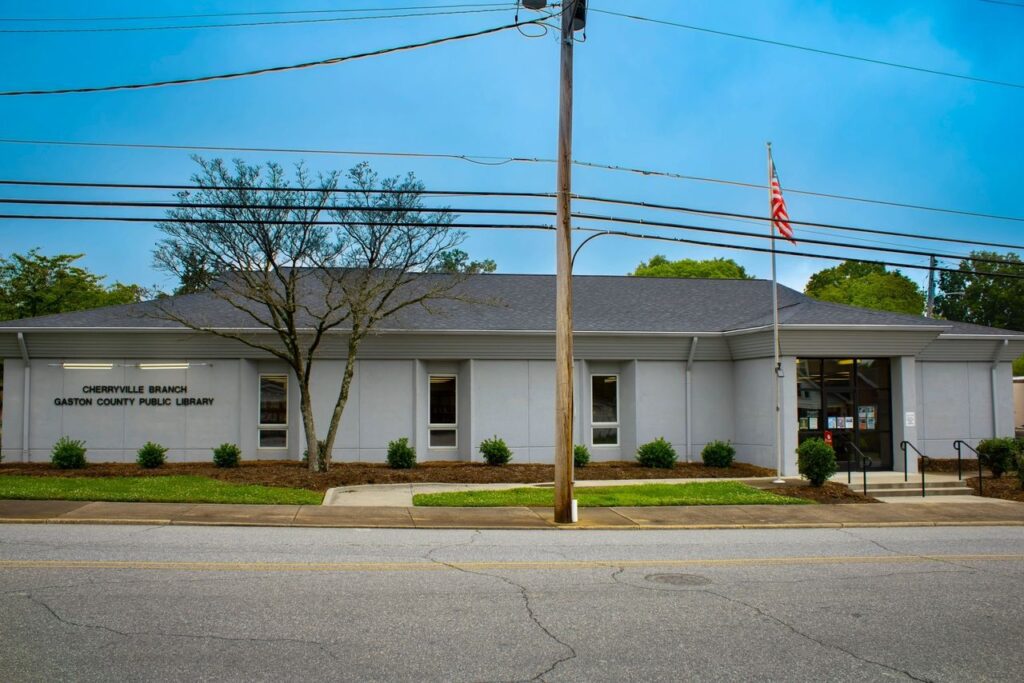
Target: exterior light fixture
x=163, y=366
x=87, y=366
x=535, y=4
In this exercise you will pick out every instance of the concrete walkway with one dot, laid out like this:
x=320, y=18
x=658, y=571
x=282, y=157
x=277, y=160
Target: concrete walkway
x=991, y=512
x=400, y=495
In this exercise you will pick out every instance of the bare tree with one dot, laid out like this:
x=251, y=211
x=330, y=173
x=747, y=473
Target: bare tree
x=303, y=261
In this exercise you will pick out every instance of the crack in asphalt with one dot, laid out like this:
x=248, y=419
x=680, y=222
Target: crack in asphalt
x=523, y=593
x=197, y=636
x=879, y=544
x=807, y=636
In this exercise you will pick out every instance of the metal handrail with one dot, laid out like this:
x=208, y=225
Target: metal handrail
x=865, y=463
x=958, y=444
x=904, y=445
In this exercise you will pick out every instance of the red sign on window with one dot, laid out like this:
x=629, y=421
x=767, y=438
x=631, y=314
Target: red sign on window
x=828, y=437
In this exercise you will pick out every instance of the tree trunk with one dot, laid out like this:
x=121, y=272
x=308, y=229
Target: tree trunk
x=339, y=405
x=309, y=427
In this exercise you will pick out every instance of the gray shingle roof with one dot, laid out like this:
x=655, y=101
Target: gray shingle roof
x=527, y=303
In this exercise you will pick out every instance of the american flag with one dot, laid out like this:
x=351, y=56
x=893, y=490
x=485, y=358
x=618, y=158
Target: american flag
x=780, y=217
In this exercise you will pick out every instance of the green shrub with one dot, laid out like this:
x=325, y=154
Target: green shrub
x=657, y=453
x=68, y=454
x=401, y=456
x=999, y=455
x=718, y=454
x=151, y=455
x=227, y=455
x=1020, y=468
x=495, y=451
x=816, y=460
x=580, y=455
x=321, y=456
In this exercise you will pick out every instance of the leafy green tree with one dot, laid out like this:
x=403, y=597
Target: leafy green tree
x=984, y=299
x=33, y=284
x=716, y=268
x=867, y=285
x=457, y=261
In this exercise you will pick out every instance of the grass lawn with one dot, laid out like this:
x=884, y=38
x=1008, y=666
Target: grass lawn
x=699, y=493
x=171, y=489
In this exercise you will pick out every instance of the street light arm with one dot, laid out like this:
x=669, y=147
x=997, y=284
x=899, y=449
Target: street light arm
x=572, y=262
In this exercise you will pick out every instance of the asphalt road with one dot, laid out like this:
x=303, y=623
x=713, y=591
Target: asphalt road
x=128, y=603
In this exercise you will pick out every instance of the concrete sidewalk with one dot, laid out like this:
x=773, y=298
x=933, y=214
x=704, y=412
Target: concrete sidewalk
x=400, y=495
x=992, y=512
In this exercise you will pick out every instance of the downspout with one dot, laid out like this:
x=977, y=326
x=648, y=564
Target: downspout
x=26, y=397
x=689, y=406
x=995, y=367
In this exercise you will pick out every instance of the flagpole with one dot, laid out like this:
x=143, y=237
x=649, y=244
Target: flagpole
x=776, y=367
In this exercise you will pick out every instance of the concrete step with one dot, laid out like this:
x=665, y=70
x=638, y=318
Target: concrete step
x=929, y=491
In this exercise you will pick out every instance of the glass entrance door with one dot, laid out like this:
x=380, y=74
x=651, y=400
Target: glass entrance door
x=847, y=400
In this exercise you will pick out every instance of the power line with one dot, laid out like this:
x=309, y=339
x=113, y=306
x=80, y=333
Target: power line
x=805, y=48
x=831, y=226
x=804, y=254
x=488, y=226
x=474, y=211
x=263, y=13
x=335, y=190
x=275, y=69
x=729, y=215
x=490, y=160
x=251, y=24
x=1004, y=2
x=256, y=14
x=274, y=207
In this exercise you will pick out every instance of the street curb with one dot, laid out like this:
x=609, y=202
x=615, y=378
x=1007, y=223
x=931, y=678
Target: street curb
x=552, y=527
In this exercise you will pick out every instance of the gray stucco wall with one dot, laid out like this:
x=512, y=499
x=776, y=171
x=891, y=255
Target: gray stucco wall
x=114, y=432
x=513, y=399
x=754, y=436
x=661, y=403
x=955, y=402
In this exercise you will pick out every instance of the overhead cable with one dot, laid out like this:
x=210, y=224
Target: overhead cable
x=251, y=24
x=455, y=211
x=618, y=233
x=469, y=193
x=255, y=14
x=489, y=160
x=805, y=48
x=274, y=69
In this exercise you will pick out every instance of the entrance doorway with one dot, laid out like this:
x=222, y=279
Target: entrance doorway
x=847, y=400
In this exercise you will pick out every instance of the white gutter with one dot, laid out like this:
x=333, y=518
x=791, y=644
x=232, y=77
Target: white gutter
x=844, y=327
x=26, y=397
x=689, y=406
x=995, y=367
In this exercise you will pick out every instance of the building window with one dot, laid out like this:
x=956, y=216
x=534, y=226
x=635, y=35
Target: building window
x=443, y=425
x=273, y=411
x=604, y=409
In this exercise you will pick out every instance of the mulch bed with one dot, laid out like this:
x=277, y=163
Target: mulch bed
x=1007, y=487
x=830, y=492
x=295, y=474
x=949, y=465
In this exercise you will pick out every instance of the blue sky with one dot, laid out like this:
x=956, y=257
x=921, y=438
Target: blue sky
x=646, y=96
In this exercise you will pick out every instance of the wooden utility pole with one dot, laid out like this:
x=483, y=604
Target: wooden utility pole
x=563, y=281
